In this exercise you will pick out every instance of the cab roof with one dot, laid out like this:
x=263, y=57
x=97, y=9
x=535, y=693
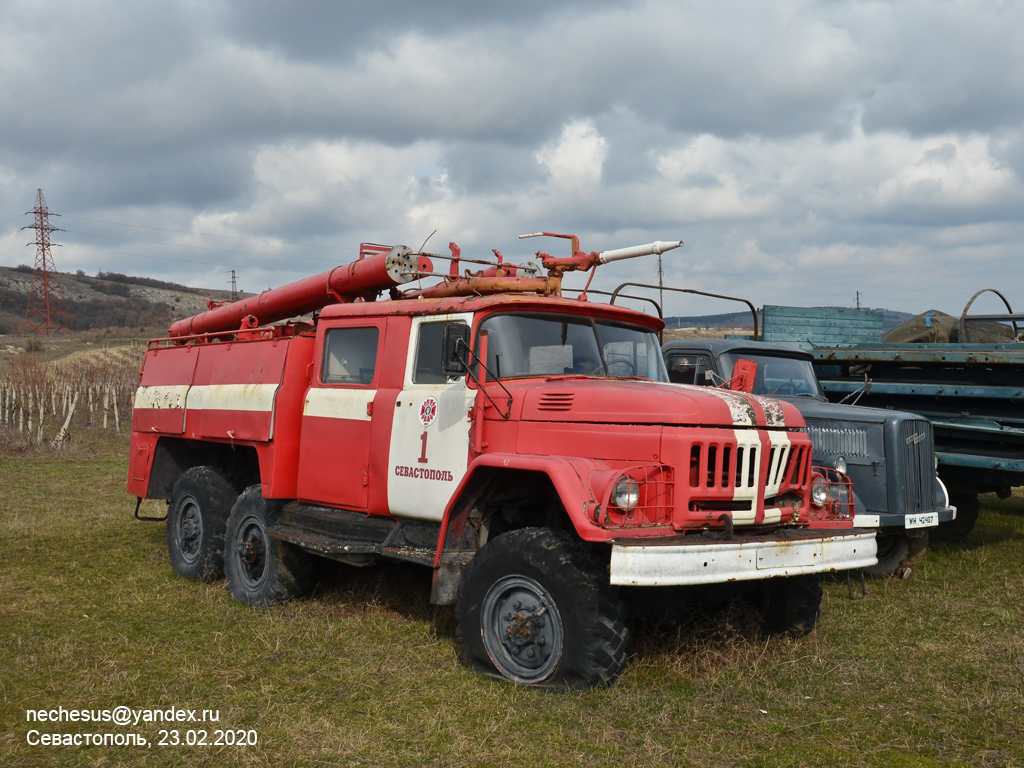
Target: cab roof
x=513, y=302
x=722, y=346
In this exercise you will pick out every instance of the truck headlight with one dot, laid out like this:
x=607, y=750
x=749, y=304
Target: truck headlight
x=819, y=491
x=625, y=493
x=840, y=464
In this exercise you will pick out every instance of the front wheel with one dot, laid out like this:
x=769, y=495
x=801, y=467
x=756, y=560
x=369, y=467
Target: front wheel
x=794, y=603
x=535, y=608
x=898, y=554
x=260, y=569
x=967, y=508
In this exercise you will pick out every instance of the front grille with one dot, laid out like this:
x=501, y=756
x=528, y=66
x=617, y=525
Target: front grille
x=778, y=463
x=728, y=476
x=712, y=465
x=917, y=465
x=839, y=442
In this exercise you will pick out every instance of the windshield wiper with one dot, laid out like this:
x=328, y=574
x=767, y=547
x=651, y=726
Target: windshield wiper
x=864, y=389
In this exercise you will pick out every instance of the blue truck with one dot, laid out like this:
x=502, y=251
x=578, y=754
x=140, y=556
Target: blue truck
x=965, y=375
x=889, y=455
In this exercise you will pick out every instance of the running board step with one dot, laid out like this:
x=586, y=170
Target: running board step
x=340, y=533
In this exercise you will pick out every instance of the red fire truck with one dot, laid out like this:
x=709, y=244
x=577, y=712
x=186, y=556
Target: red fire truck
x=524, y=445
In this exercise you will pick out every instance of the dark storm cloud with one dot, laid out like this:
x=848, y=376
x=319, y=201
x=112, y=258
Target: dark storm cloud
x=944, y=66
x=489, y=166
x=327, y=30
x=202, y=176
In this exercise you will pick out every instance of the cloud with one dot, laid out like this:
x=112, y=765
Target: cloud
x=799, y=147
x=576, y=158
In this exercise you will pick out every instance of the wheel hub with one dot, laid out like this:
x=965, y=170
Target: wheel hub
x=525, y=627
x=252, y=553
x=522, y=631
x=190, y=530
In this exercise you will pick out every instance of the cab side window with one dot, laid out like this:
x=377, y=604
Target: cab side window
x=689, y=369
x=350, y=355
x=429, y=354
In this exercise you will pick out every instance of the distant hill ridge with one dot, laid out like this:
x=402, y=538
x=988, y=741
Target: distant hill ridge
x=108, y=300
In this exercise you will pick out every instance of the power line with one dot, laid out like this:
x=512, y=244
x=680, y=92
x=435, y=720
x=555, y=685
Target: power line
x=197, y=247
x=185, y=261
x=210, y=234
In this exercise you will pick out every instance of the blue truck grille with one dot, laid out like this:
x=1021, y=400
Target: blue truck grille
x=917, y=457
x=839, y=441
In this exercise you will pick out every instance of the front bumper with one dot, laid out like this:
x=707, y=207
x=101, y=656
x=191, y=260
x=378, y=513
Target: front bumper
x=696, y=560
x=896, y=520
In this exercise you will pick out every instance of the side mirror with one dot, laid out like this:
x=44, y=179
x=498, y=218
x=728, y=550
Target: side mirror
x=456, y=350
x=743, y=373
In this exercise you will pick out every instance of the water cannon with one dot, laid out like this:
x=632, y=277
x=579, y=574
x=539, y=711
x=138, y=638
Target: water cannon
x=656, y=248
x=581, y=261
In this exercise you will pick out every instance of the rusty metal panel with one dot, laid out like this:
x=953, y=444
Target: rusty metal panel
x=167, y=375
x=234, y=389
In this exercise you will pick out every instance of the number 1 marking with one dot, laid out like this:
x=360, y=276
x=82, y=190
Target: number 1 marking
x=423, y=454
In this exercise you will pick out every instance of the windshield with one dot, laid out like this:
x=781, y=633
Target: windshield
x=777, y=375
x=543, y=344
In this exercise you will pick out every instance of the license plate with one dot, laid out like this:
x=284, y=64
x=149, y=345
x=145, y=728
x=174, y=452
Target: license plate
x=924, y=520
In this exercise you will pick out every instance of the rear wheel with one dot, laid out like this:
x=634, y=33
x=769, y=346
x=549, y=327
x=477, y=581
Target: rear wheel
x=535, y=608
x=196, y=519
x=260, y=569
x=967, y=508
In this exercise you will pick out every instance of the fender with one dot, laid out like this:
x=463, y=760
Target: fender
x=571, y=478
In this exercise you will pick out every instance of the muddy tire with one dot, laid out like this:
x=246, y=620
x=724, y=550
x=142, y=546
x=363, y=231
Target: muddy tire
x=196, y=519
x=535, y=608
x=260, y=569
x=898, y=555
x=793, y=604
x=967, y=508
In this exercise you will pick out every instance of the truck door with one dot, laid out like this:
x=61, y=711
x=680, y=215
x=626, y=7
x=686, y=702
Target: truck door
x=430, y=433
x=334, y=449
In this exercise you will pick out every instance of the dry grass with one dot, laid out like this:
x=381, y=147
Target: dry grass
x=924, y=672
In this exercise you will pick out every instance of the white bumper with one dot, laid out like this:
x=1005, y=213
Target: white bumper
x=703, y=562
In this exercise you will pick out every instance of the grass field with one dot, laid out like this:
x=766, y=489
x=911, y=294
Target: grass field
x=928, y=671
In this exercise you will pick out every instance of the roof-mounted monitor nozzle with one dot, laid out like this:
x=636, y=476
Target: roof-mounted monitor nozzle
x=583, y=261
x=649, y=249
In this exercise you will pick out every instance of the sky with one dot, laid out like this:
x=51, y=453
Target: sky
x=803, y=151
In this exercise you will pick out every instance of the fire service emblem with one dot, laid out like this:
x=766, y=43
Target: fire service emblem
x=428, y=411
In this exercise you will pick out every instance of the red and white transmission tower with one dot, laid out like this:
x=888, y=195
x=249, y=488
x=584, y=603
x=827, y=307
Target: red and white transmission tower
x=47, y=310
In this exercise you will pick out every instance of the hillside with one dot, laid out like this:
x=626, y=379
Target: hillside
x=108, y=300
